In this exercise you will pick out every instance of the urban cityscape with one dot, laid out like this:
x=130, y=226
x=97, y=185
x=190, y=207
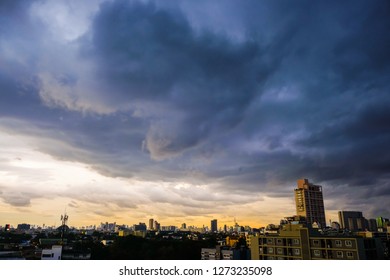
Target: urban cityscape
x=194, y=130
x=303, y=236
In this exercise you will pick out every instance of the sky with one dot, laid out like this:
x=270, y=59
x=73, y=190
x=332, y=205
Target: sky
x=187, y=111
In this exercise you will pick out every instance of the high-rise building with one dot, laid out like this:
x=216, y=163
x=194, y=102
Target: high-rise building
x=309, y=202
x=352, y=220
x=151, y=224
x=214, y=225
x=156, y=225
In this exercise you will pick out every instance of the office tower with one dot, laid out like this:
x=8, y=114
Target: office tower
x=214, y=226
x=310, y=202
x=151, y=224
x=156, y=225
x=352, y=220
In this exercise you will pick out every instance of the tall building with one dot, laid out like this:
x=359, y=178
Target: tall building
x=156, y=225
x=151, y=224
x=214, y=225
x=352, y=220
x=309, y=202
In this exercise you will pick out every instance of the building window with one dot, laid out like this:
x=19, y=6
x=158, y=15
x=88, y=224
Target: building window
x=316, y=243
x=338, y=243
x=279, y=251
x=270, y=241
x=279, y=241
x=270, y=250
x=339, y=254
x=297, y=252
x=317, y=253
x=349, y=255
x=261, y=241
x=348, y=243
x=296, y=241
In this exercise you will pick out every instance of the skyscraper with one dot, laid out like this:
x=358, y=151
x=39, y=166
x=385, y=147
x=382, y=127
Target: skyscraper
x=214, y=226
x=310, y=202
x=156, y=226
x=151, y=224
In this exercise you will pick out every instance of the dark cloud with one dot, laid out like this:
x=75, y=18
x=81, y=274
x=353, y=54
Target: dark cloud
x=249, y=97
x=202, y=82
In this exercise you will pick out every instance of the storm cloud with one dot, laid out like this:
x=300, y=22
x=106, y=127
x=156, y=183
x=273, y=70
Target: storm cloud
x=243, y=98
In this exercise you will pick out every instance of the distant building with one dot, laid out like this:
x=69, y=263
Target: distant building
x=309, y=202
x=151, y=224
x=214, y=225
x=352, y=220
x=23, y=227
x=156, y=226
x=108, y=226
x=140, y=227
x=168, y=228
x=7, y=227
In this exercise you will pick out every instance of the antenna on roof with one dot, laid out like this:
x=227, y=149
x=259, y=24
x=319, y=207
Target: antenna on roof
x=64, y=219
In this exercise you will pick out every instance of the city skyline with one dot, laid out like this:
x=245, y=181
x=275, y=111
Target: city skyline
x=186, y=112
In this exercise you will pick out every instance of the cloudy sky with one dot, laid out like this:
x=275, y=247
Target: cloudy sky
x=185, y=111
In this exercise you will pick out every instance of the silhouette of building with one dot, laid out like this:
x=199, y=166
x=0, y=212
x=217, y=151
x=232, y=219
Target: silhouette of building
x=309, y=202
x=151, y=224
x=157, y=226
x=24, y=226
x=214, y=225
x=352, y=220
